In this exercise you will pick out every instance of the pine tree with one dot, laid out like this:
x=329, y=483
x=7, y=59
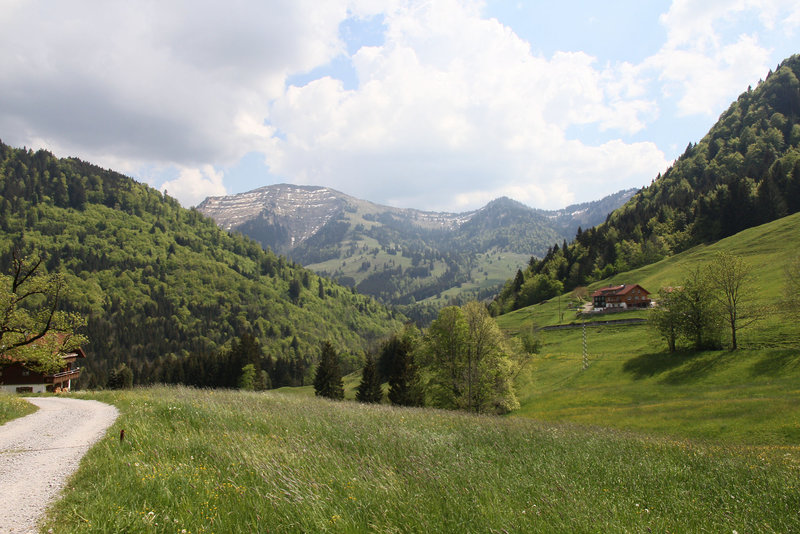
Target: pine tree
x=369, y=390
x=328, y=378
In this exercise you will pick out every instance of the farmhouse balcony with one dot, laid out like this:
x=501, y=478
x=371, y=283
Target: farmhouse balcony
x=63, y=376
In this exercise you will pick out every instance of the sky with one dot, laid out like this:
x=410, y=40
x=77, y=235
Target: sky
x=431, y=104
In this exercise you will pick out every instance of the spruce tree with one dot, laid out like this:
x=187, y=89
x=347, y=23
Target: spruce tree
x=397, y=365
x=369, y=390
x=405, y=388
x=328, y=378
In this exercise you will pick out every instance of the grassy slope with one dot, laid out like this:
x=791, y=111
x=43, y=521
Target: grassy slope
x=491, y=269
x=749, y=396
x=12, y=407
x=204, y=461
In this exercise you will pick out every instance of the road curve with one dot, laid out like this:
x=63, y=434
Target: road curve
x=40, y=451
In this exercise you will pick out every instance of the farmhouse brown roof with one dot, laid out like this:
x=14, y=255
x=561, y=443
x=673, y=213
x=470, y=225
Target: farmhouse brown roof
x=623, y=289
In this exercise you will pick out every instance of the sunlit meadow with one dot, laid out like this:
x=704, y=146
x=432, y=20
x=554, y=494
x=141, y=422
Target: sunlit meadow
x=216, y=461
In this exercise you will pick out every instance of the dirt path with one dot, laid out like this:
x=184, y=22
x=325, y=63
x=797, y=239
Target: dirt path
x=40, y=451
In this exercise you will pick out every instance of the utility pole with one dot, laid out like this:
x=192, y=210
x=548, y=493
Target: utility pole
x=585, y=353
x=560, y=313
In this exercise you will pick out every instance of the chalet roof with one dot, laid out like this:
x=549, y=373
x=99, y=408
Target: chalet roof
x=71, y=356
x=77, y=353
x=68, y=357
x=623, y=289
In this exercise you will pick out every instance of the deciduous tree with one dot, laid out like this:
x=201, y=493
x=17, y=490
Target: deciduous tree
x=33, y=328
x=666, y=317
x=120, y=377
x=470, y=361
x=247, y=379
x=733, y=284
x=701, y=322
x=689, y=312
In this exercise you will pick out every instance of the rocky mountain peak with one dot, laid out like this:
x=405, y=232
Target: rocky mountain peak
x=301, y=210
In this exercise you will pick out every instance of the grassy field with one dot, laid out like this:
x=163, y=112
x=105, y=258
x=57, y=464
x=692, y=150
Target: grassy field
x=767, y=248
x=12, y=407
x=213, y=461
x=639, y=441
x=750, y=396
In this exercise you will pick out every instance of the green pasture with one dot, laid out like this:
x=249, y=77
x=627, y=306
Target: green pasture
x=222, y=461
x=750, y=396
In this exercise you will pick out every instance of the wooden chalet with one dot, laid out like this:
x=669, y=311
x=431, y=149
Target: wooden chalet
x=621, y=297
x=16, y=378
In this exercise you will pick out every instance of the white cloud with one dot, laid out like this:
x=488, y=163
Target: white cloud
x=450, y=110
x=155, y=82
x=705, y=68
x=452, y=102
x=193, y=185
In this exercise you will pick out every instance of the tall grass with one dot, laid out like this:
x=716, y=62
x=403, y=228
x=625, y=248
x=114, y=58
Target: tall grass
x=210, y=461
x=12, y=407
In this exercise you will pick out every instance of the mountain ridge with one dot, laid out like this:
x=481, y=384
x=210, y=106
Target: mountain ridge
x=274, y=201
x=402, y=255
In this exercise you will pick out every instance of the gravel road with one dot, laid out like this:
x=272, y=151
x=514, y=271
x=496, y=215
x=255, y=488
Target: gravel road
x=40, y=451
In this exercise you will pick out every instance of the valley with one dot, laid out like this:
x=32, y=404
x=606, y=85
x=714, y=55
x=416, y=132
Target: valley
x=414, y=259
x=234, y=337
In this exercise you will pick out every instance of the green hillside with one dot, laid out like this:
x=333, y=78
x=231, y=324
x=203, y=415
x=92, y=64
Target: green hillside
x=744, y=172
x=632, y=382
x=416, y=260
x=418, y=267
x=221, y=461
x=162, y=285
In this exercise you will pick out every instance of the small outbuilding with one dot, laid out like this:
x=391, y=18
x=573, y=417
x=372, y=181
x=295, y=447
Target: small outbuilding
x=15, y=377
x=621, y=297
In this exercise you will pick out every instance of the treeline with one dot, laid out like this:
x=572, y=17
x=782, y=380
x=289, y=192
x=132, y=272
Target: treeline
x=244, y=365
x=161, y=284
x=744, y=172
x=463, y=361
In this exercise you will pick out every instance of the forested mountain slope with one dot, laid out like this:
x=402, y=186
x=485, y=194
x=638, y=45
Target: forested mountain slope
x=162, y=285
x=744, y=172
x=415, y=259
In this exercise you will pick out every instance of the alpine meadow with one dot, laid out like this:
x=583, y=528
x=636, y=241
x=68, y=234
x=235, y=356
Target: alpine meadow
x=290, y=358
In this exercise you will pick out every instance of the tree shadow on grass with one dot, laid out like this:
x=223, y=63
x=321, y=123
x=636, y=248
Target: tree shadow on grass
x=776, y=363
x=699, y=365
x=648, y=365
